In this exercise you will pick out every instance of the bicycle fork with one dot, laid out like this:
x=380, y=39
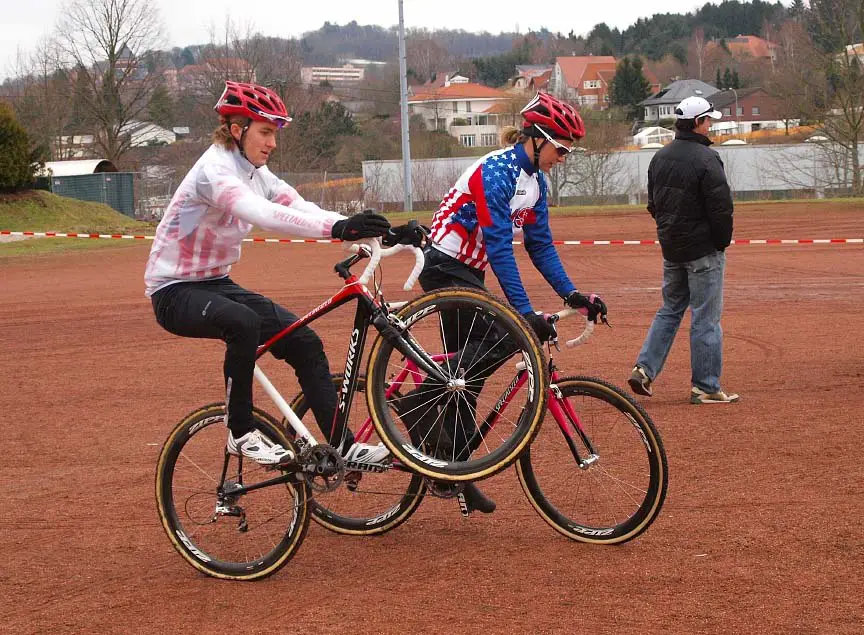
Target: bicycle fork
x=564, y=414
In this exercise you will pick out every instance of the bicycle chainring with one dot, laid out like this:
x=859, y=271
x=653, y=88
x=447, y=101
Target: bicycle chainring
x=323, y=467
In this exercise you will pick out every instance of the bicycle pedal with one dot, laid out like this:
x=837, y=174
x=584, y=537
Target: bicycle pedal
x=352, y=480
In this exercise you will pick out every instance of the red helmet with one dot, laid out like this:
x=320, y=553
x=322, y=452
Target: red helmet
x=252, y=101
x=558, y=119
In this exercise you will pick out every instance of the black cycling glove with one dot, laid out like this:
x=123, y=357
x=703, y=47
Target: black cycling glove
x=542, y=327
x=412, y=233
x=368, y=224
x=592, y=306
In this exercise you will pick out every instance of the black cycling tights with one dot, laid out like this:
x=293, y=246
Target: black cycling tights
x=222, y=309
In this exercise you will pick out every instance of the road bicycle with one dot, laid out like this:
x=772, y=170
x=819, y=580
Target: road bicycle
x=598, y=476
x=233, y=518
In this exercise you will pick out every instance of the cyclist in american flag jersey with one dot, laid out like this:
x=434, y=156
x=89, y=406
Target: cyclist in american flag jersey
x=504, y=193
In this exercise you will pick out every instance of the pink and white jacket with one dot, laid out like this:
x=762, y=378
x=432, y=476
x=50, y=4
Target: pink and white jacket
x=213, y=210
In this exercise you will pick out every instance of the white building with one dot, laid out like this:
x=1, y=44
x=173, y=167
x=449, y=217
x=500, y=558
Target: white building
x=314, y=75
x=470, y=112
x=143, y=133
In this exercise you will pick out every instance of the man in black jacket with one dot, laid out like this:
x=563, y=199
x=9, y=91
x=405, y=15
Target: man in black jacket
x=690, y=201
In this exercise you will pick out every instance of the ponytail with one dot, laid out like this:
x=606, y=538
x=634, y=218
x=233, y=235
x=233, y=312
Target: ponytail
x=511, y=135
x=222, y=134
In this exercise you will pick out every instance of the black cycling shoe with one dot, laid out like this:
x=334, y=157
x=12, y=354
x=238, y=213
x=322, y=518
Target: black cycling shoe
x=477, y=500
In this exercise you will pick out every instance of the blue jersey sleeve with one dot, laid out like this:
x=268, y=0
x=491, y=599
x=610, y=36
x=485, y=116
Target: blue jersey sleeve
x=493, y=207
x=538, y=243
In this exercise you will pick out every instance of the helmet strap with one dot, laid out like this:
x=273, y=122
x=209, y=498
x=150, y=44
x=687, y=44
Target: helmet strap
x=537, y=150
x=239, y=141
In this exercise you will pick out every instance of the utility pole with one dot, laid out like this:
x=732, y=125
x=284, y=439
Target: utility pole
x=737, y=116
x=403, y=102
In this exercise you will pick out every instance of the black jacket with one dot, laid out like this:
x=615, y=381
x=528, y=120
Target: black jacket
x=689, y=198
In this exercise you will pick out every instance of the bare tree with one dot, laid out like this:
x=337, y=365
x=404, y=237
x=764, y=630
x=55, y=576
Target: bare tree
x=798, y=74
x=108, y=42
x=698, y=48
x=425, y=54
x=44, y=100
x=595, y=169
x=837, y=25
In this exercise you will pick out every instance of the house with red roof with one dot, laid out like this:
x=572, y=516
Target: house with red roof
x=468, y=111
x=743, y=48
x=580, y=79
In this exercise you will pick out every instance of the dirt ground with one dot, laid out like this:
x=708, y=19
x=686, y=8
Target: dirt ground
x=762, y=530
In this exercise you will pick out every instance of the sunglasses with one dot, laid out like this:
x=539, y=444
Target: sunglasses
x=560, y=148
x=275, y=119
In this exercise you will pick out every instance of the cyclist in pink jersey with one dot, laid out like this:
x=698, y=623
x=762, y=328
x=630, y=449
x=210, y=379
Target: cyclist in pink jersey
x=225, y=193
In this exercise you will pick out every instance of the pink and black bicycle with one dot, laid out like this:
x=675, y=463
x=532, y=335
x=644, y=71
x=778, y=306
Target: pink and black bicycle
x=598, y=475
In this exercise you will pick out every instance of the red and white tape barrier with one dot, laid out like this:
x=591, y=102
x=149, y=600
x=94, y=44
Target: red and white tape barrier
x=739, y=241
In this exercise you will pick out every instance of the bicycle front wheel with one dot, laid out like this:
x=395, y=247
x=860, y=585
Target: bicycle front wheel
x=238, y=537
x=473, y=417
x=618, y=489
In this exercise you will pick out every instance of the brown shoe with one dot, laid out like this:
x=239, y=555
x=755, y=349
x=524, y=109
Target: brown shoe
x=639, y=382
x=698, y=396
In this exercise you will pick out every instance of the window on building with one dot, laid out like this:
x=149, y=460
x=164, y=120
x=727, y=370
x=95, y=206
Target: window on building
x=468, y=140
x=488, y=139
x=455, y=106
x=589, y=84
x=739, y=110
x=482, y=120
x=755, y=110
x=664, y=111
x=467, y=106
x=727, y=111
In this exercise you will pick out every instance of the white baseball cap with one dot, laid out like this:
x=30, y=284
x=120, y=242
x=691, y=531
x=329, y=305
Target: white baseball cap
x=695, y=107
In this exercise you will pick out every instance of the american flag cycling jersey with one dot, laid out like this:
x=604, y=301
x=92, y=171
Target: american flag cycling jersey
x=215, y=207
x=497, y=197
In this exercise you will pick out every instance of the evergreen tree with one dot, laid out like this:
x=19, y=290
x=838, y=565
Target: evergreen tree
x=727, y=78
x=718, y=81
x=161, y=107
x=736, y=81
x=629, y=86
x=16, y=167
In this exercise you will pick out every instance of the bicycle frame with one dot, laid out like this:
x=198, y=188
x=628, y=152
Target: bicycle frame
x=370, y=311
x=559, y=407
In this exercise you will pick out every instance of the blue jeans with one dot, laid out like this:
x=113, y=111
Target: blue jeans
x=699, y=285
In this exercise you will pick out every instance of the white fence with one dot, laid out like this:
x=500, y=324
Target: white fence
x=753, y=171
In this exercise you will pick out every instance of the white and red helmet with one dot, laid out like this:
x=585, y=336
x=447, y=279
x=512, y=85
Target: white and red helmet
x=559, y=120
x=252, y=101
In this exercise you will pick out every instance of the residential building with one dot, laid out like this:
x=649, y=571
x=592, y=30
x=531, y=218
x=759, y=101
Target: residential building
x=746, y=110
x=856, y=50
x=527, y=74
x=579, y=79
x=441, y=79
x=348, y=73
x=200, y=77
x=662, y=105
x=470, y=112
x=143, y=133
x=744, y=46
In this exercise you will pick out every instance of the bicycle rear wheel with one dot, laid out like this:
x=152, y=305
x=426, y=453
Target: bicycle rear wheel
x=619, y=491
x=378, y=502
x=457, y=429
x=245, y=537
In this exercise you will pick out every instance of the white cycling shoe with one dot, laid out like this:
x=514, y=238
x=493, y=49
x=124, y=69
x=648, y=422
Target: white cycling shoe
x=257, y=447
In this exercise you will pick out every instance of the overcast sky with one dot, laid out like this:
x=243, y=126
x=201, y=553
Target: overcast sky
x=186, y=22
